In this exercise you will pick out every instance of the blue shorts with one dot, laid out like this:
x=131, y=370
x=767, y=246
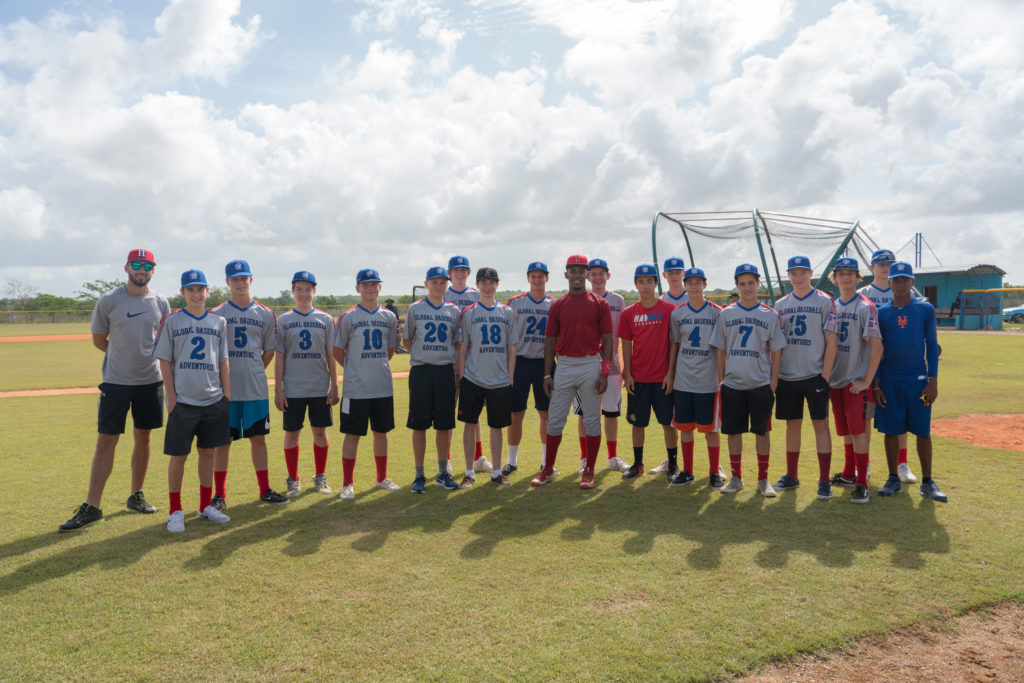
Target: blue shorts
x=645, y=397
x=529, y=374
x=904, y=411
x=697, y=411
x=249, y=418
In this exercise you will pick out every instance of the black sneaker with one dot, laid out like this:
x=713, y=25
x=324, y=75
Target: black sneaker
x=137, y=501
x=508, y=469
x=218, y=504
x=272, y=496
x=681, y=478
x=715, y=481
x=840, y=479
x=633, y=472
x=85, y=514
x=860, y=494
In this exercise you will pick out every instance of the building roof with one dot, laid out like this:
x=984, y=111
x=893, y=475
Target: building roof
x=980, y=269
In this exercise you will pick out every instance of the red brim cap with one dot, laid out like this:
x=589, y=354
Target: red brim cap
x=141, y=255
x=577, y=260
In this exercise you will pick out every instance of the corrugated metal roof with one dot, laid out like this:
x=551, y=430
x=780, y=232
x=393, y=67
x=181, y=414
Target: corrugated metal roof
x=980, y=269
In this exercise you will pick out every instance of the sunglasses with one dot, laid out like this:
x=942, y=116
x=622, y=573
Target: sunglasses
x=144, y=266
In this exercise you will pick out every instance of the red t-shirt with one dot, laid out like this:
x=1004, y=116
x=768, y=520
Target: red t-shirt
x=648, y=329
x=579, y=320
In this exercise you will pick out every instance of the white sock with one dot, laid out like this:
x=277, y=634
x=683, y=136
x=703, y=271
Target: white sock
x=513, y=455
x=471, y=474
x=495, y=474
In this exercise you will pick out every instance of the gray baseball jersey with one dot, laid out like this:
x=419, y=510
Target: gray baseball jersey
x=616, y=304
x=432, y=330
x=467, y=297
x=805, y=322
x=856, y=323
x=250, y=333
x=696, y=362
x=307, y=341
x=530, y=323
x=879, y=296
x=195, y=348
x=681, y=301
x=131, y=324
x=748, y=336
x=488, y=332
x=366, y=337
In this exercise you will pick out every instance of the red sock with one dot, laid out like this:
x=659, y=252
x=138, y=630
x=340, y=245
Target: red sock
x=850, y=464
x=175, y=497
x=862, y=468
x=593, y=448
x=762, y=466
x=348, y=468
x=735, y=462
x=688, y=456
x=792, y=464
x=263, y=481
x=320, y=458
x=613, y=449
x=714, y=458
x=291, y=461
x=902, y=459
x=824, y=465
x=552, y=451
x=583, y=448
x=205, y=494
x=479, y=452
x=220, y=479
x=381, y=461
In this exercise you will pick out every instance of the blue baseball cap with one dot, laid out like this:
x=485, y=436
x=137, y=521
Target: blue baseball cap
x=882, y=256
x=746, y=268
x=436, y=272
x=597, y=263
x=901, y=269
x=304, y=276
x=193, y=277
x=537, y=265
x=674, y=263
x=458, y=262
x=237, y=268
x=695, y=272
x=847, y=263
x=646, y=270
x=367, y=275
x=798, y=262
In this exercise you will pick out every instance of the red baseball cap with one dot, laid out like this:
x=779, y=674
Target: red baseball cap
x=577, y=260
x=141, y=255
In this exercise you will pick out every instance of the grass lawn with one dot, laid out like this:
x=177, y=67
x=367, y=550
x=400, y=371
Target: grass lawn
x=628, y=581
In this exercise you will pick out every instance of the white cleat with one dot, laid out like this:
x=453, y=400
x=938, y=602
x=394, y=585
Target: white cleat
x=734, y=485
x=660, y=469
x=906, y=476
x=617, y=464
x=388, y=485
x=176, y=522
x=212, y=514
x=765, y=488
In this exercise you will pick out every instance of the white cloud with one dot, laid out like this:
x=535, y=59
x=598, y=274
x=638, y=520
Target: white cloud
x=22, y=214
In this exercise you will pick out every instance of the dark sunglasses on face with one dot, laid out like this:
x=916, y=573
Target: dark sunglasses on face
x=144, y=266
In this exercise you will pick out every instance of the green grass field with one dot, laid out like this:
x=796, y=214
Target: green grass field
x=628, y=581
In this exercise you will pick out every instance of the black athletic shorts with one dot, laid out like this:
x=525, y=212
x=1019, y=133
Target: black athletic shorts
x=473, y=398
x=747, y=410
x=208, y=424
x=645, y=396
x=431, y=397
x=146, y=402
x=529, y=374
x=790, y=395
x=320, y=414
x=357, y=414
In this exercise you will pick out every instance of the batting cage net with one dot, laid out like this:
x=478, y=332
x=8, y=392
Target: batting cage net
x=718, y=241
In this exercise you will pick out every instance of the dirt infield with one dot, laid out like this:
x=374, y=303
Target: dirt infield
x=985, y=645
x=46, y=338
x=1005, y=432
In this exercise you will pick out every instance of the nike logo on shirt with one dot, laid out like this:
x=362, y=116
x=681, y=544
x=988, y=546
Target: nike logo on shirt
x=132, y=315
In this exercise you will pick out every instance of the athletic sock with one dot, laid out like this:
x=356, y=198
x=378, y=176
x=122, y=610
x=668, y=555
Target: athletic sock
x=320, y=458
x=471, y=474
x=479, y=452
x=850, y=463
x=175, y=501
x=442, y=467
x=291, y=461
x=263, y=481
x=792, y=464
x=583, y=448
x=613, y=449
x=348, y=468
x=714, y=459
x=762, y=466
x=551, y=450
x=673, y=459
x=902, y=458
x=638, y=456
x=688, y=456
x=824, y=465
x=419, y=471
x=220, y=480
x=862, y=467
x=205, y=494
x=593, y=448
x=513, y=455
x=381, y=461
x=735, y=464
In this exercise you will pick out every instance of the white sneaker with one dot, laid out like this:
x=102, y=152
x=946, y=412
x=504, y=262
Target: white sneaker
x=734, y=485
x=906, y=476
x=320, y=483
x=617, y=464
x=176, y=522
x=212, y=514
x=723, y=474
x=388, y=485
x=660, y=469
x=765, y=489
x=583, y=466
x=348, y=492
x=482, y=464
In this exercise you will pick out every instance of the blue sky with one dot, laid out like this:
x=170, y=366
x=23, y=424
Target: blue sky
x=336, y=135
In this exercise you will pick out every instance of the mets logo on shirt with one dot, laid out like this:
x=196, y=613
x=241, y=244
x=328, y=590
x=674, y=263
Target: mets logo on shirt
x=902, y=320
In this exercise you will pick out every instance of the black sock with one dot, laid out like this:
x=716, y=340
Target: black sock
x=638, y=456
x=673, y=454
